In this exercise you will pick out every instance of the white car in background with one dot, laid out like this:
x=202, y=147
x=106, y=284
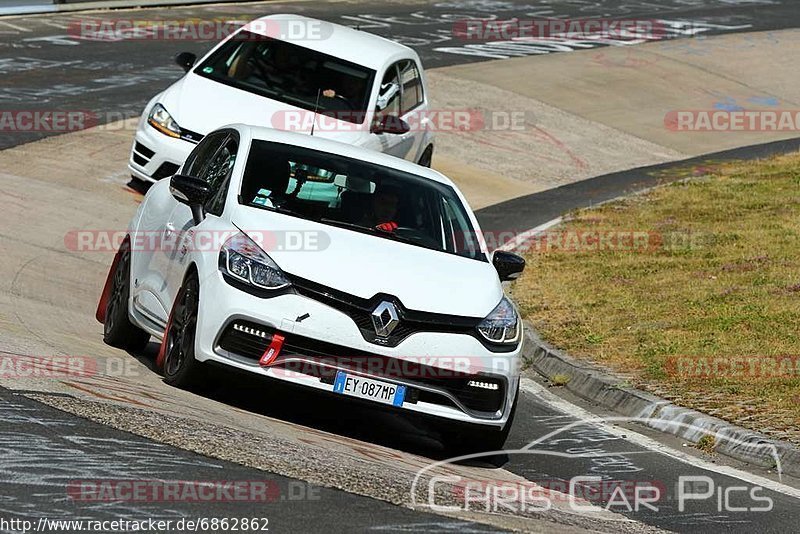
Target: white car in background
x=369, y=91
x=397, y=301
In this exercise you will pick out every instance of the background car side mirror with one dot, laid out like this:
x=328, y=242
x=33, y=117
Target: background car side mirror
x=509, y=266
x=391, y=124
x=185, y=60
x=190, y=191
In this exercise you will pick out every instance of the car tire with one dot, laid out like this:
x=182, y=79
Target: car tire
x=118, y=330
x=181, y=369
x=472, y=439
x=426, y=159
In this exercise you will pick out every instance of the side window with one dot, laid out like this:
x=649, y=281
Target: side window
x=412, y=86
x=454, y=231
x=218, y=175
x=389, y=93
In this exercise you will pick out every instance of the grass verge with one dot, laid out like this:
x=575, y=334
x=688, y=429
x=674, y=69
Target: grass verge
x=691, y=291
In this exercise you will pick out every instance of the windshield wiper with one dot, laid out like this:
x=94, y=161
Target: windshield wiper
x=281, y=209
x=342, y=224
x=371, y=230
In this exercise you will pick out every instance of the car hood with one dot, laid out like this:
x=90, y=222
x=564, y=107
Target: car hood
x=202, y=105
x=365, y=265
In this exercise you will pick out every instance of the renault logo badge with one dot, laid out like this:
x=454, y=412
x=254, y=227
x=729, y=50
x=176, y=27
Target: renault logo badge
x=385, y=319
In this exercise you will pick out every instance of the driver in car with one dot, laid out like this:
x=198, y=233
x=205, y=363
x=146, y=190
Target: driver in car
x=349, y=90
x=275, y=66
x=382, y=210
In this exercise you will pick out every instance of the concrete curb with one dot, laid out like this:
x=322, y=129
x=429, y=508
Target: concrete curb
x=594, y=384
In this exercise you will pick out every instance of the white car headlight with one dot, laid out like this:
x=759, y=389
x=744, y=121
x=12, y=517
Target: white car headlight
x=502, y=325
x=242, y=259
x=161, y=120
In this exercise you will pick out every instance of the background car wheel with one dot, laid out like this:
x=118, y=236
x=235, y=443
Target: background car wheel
x=181, y=369
x=118, y=330
x=426, y=159
x=477, y=438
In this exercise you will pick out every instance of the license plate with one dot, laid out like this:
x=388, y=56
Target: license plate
x=367, y=388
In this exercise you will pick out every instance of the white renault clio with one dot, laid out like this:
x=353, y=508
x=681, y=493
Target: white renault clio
x=328, y=266
x=277, y=71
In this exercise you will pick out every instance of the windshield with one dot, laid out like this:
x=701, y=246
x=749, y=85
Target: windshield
x=359, y=196
x=291, y=74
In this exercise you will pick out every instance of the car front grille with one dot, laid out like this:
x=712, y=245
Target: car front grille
x=360, y=311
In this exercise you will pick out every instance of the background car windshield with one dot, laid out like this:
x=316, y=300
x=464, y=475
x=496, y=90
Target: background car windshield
x=292, y=74
x=357, y=195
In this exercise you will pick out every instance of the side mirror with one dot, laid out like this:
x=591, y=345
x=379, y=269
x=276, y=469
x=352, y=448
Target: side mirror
x=185, y=60
x=509, y=266
x=392, y=125
x=190, y=191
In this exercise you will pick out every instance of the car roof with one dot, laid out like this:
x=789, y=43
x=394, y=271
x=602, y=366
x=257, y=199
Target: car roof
x=343, y=149
x=356, y=46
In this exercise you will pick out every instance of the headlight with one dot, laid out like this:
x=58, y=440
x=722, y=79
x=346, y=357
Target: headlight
x=242, y=259
x=161, y=120
x=502, y=325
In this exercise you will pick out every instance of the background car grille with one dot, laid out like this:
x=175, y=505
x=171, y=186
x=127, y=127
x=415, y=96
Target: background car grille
x=143, y=150
x=192, y=137
x=252, y=346
x=142, y=155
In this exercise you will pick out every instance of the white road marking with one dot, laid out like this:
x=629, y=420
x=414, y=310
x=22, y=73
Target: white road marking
x=528, y=234
x=14, y=26
x=568, y=408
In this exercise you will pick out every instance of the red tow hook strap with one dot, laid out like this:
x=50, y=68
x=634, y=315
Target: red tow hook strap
x=272, y=351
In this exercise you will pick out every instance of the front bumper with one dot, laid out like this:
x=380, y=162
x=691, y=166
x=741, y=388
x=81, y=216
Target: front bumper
x=435, y=367
x=155, y=156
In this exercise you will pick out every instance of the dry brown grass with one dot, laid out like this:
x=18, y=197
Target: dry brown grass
x=718, y=278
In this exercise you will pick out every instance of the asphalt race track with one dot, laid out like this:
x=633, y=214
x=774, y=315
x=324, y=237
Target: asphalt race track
x=45, y=65
x=44, y=450
x=553, y=440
